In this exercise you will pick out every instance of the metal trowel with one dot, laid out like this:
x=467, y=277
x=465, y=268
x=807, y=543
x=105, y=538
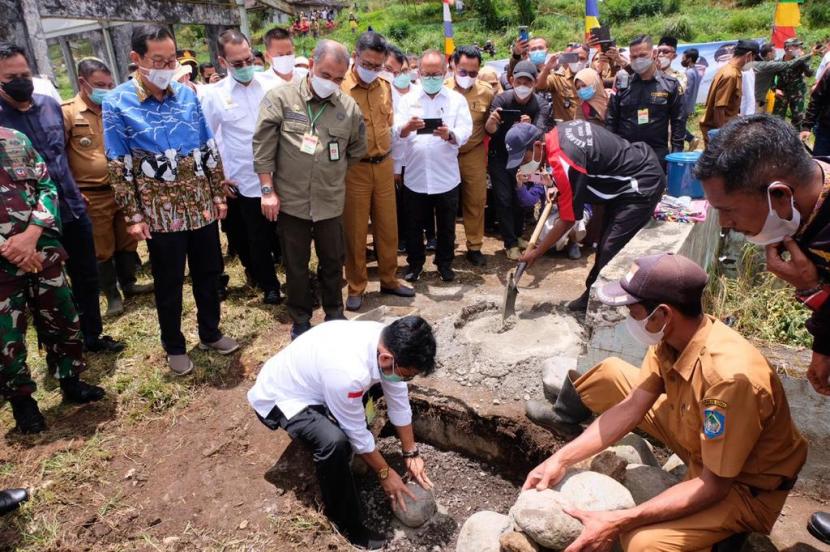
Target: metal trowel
x=512, y=289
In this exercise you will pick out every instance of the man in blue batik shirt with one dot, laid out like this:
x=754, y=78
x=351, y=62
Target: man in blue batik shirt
x=167, y=178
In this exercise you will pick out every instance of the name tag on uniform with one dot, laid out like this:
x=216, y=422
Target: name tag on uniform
x=642, y=116
x=309, y=144
x=334, y=151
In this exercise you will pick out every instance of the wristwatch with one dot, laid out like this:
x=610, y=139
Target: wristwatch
x=383, y=473
x=411, y=454
x=267, y=190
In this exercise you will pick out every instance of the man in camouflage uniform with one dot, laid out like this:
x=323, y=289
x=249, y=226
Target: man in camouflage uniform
x=790, y=88
x=32, y=276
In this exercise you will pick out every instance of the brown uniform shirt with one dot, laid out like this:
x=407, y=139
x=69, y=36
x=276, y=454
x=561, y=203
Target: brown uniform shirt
x=479, y=97
x=563, y=95
x=725, y=91
x=375, y=101
x=727, y=408
x=84, y=130
x=310, y=186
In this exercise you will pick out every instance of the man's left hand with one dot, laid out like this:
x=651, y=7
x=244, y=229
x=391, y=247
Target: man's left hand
x=819, y=373
x=221, y=210
x=800, y=272
x=21, y=246
x=229, y=186
x=443, y=132
x=416, y=469
x=599, y=531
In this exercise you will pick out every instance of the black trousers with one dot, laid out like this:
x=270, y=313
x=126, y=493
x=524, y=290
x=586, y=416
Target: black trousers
x=316, y=428
x=622, y=219
x=259, y=235
x=419, y=213
x=168, y=253
x=82, y=267
x=296, y=236
x=508, y=210
x=234, y=227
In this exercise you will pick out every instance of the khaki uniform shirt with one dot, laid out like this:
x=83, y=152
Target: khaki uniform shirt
x=725, y=91
x=310, y=186
x=375, y=101
x=479, y=97
x=563, y=95
x=84, y=130
x=727, y=408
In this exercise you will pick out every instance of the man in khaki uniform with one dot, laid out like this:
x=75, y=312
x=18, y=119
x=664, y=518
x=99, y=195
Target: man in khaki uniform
x=705, y=392
x=472, y=156
x=306, y=137
x=370, y=184
x=723, y=103
x=560, y=83
x=115, y=248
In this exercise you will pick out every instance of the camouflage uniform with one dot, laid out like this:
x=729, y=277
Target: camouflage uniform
x=28, y=196
x=791, y=83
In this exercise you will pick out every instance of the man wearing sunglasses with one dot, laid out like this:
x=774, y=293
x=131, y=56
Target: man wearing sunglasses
x=314, y=390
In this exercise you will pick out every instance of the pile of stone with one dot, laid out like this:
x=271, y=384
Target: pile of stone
x=620, y=477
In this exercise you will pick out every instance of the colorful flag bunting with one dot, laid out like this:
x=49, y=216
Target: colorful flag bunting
x=449, y=43
x=787, y=18
x=591, y=16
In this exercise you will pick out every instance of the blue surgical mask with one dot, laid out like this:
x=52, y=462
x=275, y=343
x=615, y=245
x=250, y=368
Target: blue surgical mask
x=402, y=81
x=259, y=68
x=97, y=95
x=243, y=74
x=586, y=93
x=538, y=57
x=432, y=85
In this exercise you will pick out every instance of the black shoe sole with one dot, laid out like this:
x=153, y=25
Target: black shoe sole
x=385, y=291
x=813, y=530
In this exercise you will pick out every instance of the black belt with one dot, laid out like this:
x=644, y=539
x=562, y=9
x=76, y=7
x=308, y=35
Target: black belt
x=375, y=160
x=104, y=188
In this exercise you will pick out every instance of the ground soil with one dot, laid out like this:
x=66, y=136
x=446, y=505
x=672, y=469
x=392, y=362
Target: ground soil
x=198, y=477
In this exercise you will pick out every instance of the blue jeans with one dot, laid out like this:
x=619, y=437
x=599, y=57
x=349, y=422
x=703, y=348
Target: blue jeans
x=822, y=145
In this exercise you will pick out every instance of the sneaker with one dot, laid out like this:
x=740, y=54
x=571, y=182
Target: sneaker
x=514, y=254
x=476, y=258
x=447, y=273
x=523, y=243
x=272, y=297
x=79, y=392
x=27, y=415
x=181, y=365
x=574, y=252
x=224, y=345
x=432, y=244
x=354, y=302
x=103, y=344
x=299, y=328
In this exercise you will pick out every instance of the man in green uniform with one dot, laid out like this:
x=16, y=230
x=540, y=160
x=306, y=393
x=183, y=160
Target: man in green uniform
x=32, y=276
x=790, y=88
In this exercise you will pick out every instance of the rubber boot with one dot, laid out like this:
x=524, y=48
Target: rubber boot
x=126, y=265
x=27, y=415
x=566, y=414
x=106, y=275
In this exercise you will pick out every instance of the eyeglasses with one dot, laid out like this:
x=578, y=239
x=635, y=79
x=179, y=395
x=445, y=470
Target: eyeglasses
x=160, y=63
x=433, y=75
x=665, y=51
x=242, y=63
x=465, y=73
x=370, y=66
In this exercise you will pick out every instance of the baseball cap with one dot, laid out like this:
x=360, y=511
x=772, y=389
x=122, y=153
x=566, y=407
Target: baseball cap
x=518, y=140
x=662, y=278
x=793, y=42
x=525, y=68
x=750, y=46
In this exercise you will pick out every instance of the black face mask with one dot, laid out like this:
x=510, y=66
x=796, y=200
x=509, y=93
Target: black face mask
x=19, y=89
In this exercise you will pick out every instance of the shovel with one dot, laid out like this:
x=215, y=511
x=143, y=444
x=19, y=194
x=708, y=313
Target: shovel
x=512, y=289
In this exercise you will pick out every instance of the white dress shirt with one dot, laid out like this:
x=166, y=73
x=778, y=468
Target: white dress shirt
x=271, y=79
x=825, y=62
x=398, y=146
x=332, y=364
x=231, y=110
x=431, y=162
x=748, y=105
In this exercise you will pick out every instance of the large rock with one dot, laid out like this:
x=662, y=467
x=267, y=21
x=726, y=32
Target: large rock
x=635, y=450
x=517, y=542
x=646, y=482
x=481, y=532
x=675, y=466
x=418, y=511
x=540, y=514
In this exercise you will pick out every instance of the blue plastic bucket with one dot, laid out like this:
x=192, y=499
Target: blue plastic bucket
x=680, y=174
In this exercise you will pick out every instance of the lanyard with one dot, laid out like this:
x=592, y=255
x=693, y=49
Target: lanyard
x=315, y=117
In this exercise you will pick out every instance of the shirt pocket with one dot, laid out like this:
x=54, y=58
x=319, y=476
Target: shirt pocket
x=295, y=127
x=231, y=114
x=341, y=136
x=82, y=137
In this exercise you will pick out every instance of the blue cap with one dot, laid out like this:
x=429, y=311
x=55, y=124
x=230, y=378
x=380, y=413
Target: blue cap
x=518, y=140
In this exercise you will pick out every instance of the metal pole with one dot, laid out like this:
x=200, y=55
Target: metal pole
x=111, y=59
x=244, y=26
x=70, y=63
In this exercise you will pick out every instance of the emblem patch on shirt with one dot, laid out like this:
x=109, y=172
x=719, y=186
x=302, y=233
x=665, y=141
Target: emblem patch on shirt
x=713, y=402
x=714, y=424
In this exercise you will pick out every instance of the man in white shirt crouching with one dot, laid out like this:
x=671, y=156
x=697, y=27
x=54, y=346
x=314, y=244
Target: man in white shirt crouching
x=314, y=388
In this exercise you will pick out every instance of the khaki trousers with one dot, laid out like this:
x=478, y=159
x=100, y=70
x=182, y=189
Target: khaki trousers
x=109, y=229
x=370, y=191
x=473, y=167
x=610, y=382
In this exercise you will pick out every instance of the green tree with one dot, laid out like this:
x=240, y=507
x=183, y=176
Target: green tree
x=527, y=11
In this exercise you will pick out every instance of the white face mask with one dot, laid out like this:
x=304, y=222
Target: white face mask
x=366, y=75
x=530, y=167
x=775, y=228
x=576, y=67
x=664, y=62
x=464, y=82
x=637, y=329
x=300, y=72
x=387, y=76
x=641, y=65
x=523, y=92
x=323, y=87
x=283, y=65
x=160, y=78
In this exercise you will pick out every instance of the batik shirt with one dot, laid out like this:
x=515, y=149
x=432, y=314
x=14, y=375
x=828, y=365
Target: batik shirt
x=27, y=196
x=163, y=161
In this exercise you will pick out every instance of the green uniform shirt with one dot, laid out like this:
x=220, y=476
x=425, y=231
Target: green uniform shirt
x=311, y=186
x=27, y=196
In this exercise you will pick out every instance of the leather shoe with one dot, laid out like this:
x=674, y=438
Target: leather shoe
x=27, y=415
x=476, y=258
x=400, y=291
x=447, y=273
x=819, y=526
x=103, y=344
x=272, y=297
x=354, y=302
x=299, y=328
x=11, y=499
x=79, y=392
x=413, y=273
